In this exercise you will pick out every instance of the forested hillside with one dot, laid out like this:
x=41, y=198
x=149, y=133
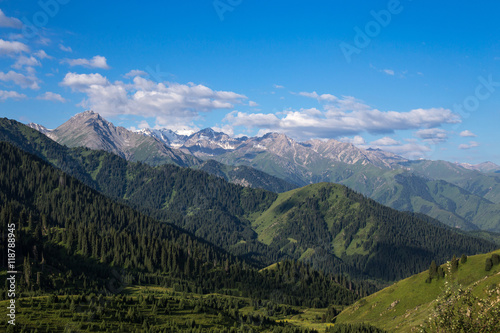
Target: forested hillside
x=325, y=222
x=62, y=225
x=337, y=230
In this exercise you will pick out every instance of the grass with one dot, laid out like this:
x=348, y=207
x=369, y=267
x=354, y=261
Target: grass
x=37, y=313
x=407, y=303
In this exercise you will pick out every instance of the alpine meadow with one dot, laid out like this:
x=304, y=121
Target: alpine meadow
x=244, y=167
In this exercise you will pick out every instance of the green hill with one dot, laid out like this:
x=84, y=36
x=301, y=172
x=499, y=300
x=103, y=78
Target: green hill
x=406, y=304
x=64, y=226
x=334, y=228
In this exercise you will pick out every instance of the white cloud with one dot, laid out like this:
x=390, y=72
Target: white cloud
x=79, y=82
x=277, y=86
x=356, y=140
x=65, y=48
x=253, y=104
x=171, y=103
x=320, y=98
x=95, y=62
x=467, y=133
x=23, y=61
x=134, y=73
x=432, y=135
x=342, y=117
x=253, y=120
x=50, y=96
x=20, y=79
x=388, y=71
x=472, y=144
x=42, y=55
x=8, y=47
x=10, y=94
x=411, y=150
x=9, y=22
x=227, y=129
x=43, y=40
x=385, y=141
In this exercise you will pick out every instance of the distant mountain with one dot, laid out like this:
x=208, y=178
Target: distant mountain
x=39, y=128
x=246, y=176
x=89, y=129
x=157, y=147
x=328, y=225
x=485, y=185
x=166, y=136
x=458, y=196
x=483, y=167
x=69, y=228
x=207, y=143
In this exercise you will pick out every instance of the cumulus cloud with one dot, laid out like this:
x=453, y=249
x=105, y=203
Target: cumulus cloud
x=356, y=140
x=42, y=55
x=9, y=22
x=134, y=73
x=253, y=104
x=95, y=62
x=80, y=82
x=385, y=141
x=24, y=81
x=9, y=47
x=169, y=103
x=410, y=150
x=432, y=135
x=23, y=61
x=50, y=96
x=4, y=95
x=344, y=116
x=227, y=129
x=471, y=144
x=467, y=133
x=320, y=98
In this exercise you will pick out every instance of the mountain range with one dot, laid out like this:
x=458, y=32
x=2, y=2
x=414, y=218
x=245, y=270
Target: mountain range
x=328, y=225
x=188, y=243
x=459, y=195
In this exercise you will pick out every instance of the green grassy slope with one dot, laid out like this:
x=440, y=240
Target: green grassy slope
x=337, y=228
x=408, y=303
x=163, y=309
x=456, y=196
x=246, y=176
x=486, y=185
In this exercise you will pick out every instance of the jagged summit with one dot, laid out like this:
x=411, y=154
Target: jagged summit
x=482, y=167
x=39, y=128
x=89, y=129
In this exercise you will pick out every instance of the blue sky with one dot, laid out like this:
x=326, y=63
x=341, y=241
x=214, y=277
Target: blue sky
x=418, y=78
